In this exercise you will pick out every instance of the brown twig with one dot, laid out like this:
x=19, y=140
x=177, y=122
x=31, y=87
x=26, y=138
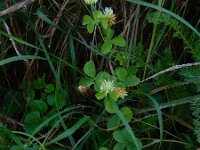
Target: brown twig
x=16, y=7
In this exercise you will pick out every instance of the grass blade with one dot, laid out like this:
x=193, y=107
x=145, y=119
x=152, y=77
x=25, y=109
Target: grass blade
x=69, y=131
x=47, y=20
x=73, y=56
x=17, y=58
x=159, y=116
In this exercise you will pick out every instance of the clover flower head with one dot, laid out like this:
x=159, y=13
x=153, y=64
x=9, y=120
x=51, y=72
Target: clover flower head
x=109, y=15
x=82, y=89
x=91, y=2
x=107, y=86
x=120, y=92
x=108, y=11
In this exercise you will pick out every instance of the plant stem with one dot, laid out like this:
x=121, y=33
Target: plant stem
x=42, y=146
x=150, y=49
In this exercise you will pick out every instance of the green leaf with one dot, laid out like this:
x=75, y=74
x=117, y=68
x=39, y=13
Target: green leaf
x=87, y=20
x=118, y=41
x=17, y=147
x=121, y=74
x=104, y=24
x=100, y=95
x=60, y=101
x=119, y=146
x=53, y=121
x=128, y=114
x=132, y=70
x=97, y=87
x=89, y=69
x=90, y=27
x=101, y=76
x=24, y=147
x=125, y=123
x=31, y=121
x=51, y=99
x=103, y=148
x=122, y=136
x=49, y=88
x=121, y=58
x=132, y=81
x=131, y=146
x=109, y=33
x=108, y=106
x=86, y=81
x=106, y=47
x=39, y=83
x=113, y=122
x=38, y=105
x=98, y=15
x=113, y=96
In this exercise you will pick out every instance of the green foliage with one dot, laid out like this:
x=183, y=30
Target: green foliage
x=110, y=42
x=38, y=105
x=103, y=19
x=87, y=20
x=109, y=103
x=47, y=105
x=103, y=148
x=196, y=112
x=31, y=121
x=164, y=62
x=191, y=75
x=124, y=140
x=191, y=40
x=89, y=69
x=111, y=88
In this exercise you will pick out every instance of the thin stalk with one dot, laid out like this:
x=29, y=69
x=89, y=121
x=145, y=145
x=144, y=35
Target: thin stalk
x=152, y=42
x=150, y=49
x=30, y=136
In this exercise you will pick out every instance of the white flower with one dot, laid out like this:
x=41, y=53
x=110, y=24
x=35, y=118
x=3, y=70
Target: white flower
x=91, y=2
x=108, y=12
x=109, y=15
x=107, y=86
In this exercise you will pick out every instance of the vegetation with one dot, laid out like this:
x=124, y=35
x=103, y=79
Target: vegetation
x=97, y=74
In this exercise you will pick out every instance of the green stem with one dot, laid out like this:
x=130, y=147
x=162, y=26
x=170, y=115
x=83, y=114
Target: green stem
x=30, y=136
x=150, y=49
x=152, y=42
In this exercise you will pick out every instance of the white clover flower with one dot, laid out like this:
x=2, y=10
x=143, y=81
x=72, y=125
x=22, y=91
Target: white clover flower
x=107, y=86
x=108, y=12
x=109, y=15
x=91, y=2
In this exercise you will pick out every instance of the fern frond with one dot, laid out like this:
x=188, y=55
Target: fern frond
x=195, y=107
x=192, y=75
x=191, y=40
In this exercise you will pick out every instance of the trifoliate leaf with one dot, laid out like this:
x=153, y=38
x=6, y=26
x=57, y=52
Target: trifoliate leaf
x=89, y=69
x=106, y=47
x=118, y=41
